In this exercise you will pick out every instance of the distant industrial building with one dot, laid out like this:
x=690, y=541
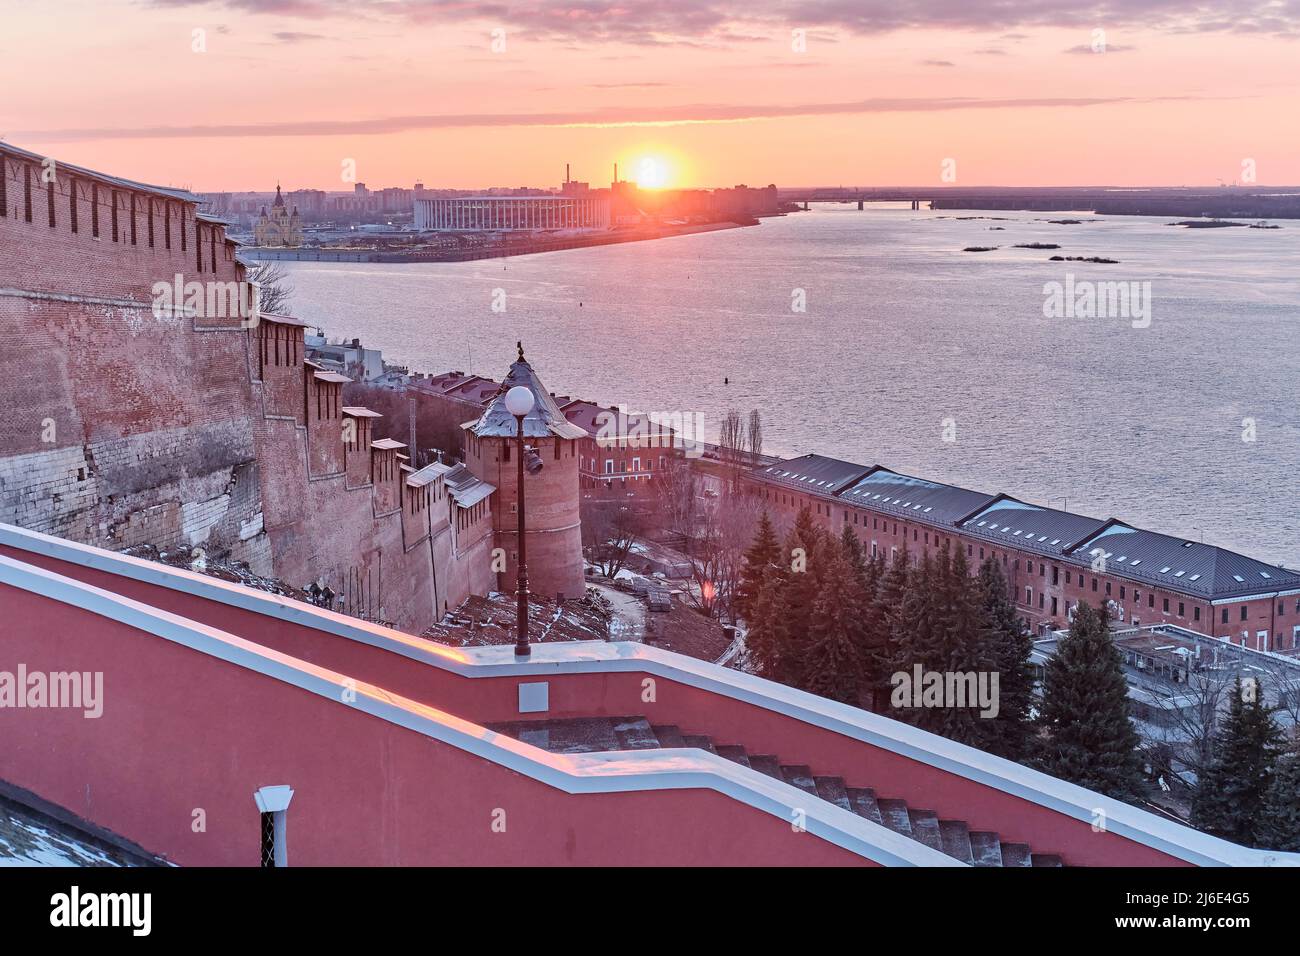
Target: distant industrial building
x=509, y=213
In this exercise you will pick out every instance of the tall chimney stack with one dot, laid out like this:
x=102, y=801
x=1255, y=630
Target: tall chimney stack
x=616, y=173
x=566, y=172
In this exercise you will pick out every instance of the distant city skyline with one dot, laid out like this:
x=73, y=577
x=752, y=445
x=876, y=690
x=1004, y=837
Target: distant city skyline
x=236, y=95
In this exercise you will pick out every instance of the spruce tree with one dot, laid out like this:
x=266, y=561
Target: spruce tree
x=832, y=665
x=1009, y=645
x=762, y=555
x=912, y=638
x=765, y=636
x=886, y=603
x=1085, y=711
x=1230, y=795
x=801, y=582
x=961, y=650
x=942, y=631
x=1280, y=818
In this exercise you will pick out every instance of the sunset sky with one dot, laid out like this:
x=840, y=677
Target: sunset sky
x=885, y=91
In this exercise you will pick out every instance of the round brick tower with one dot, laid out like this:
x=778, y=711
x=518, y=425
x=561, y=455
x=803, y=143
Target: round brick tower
x=552, y=525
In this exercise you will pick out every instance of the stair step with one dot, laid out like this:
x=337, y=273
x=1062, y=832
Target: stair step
x=572, y=735
x=863, y=802
x=925, y=827
x=956, y=840
x=799, y=776
x=1046, y=859
x=669, y=736
x=893, y=814
x=1015, y=854
x=766, y=763
x=733, y=753
x=635, y=733
x=986, y=848
x=832, y=790
x=697, y=740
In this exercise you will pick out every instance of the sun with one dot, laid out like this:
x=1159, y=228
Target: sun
x=651, y=173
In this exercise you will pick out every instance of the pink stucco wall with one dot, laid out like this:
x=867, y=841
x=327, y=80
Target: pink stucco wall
x=183, y=732
x=725, y=719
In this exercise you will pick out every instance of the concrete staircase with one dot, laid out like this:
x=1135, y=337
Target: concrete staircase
x=953, y=837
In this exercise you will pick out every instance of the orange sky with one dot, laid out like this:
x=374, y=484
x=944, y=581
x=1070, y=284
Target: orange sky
x=885, y=91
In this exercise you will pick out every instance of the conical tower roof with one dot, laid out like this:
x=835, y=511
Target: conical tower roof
x=279, y=200
x=544, y=421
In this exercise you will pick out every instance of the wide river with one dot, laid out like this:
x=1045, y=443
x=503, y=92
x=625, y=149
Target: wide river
x=902, y=331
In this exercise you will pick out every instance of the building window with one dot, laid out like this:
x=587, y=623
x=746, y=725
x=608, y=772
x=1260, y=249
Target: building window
x=1165, y=605
x=1225, y=615
x=1196, y=614
x=609, y=466
x=1151, y=600
x=1121, y=592
x=1243, y=612
x=72, y=204
x=94, y=210
x=49, y=203
x=27, y=193
x=1180, y=609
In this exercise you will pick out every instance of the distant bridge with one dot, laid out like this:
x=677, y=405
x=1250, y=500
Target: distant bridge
x=1233, y=202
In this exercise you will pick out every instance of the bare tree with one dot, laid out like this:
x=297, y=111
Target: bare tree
x=273, y=289
x=755, y=437
x=731, y=447
x=1183, y=729
x=717, y=554
x=677, y=494
x=609, y=531
x=1284, y=679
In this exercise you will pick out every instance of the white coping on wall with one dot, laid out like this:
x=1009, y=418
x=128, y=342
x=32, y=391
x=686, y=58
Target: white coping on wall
x=588, y=657
x=596, y=773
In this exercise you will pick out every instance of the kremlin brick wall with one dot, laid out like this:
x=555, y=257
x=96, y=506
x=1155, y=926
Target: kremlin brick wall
x=127, y=425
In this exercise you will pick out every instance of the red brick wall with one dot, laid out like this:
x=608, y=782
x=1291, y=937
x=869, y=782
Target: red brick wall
x=123, y=427
x=280, y=362
x=551, y=498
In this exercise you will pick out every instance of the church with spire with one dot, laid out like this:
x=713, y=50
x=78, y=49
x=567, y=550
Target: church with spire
x=280, y=227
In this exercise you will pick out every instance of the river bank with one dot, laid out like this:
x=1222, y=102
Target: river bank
x=495, y=250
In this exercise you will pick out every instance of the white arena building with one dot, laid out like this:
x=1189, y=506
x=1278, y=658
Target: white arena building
x=493, y=213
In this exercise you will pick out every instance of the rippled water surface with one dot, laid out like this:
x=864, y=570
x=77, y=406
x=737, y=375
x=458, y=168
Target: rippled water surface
x=904, y=330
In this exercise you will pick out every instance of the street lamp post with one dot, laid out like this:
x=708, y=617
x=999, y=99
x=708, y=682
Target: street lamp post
x=519, y=402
